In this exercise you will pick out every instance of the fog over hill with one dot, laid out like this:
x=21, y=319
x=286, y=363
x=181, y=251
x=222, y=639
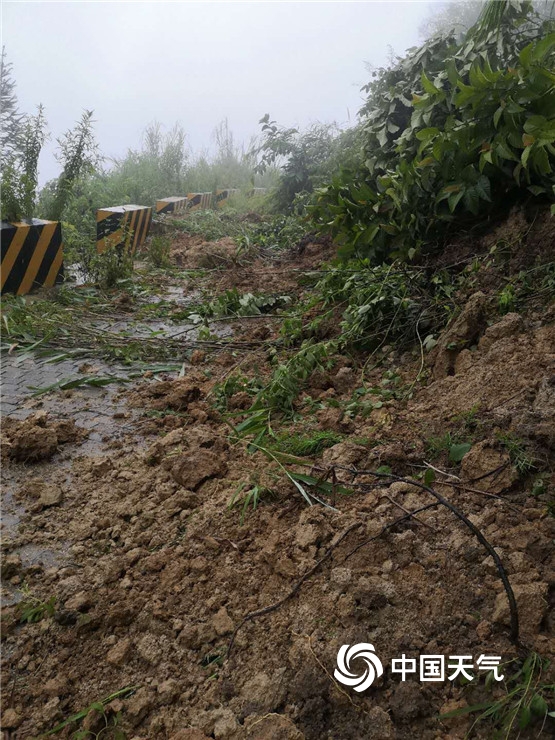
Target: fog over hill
x=197, y=63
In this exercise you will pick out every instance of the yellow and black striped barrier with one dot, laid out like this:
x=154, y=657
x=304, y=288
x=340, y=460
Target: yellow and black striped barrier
x=198, y=201
x=223, y=195
x=122, y=226
x=32, y=255
x=175, y=204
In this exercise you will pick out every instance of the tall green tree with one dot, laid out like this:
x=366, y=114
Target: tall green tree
x=11, y=120
x=20, y=169
x=79, y=155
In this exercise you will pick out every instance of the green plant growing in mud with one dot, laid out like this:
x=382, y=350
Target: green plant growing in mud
x=210, y=225
x=535, y=286
x=377, y=305
x=249, y=495
x=452, y=443
x=235, y=383
x=526, y=700
x=304, y=445
x=78, y=154
x=233, y=303
x=108, y=724
x=111, y=268
x=279, y=234
x=520, y=457
x=158, y=253
x=32, y=609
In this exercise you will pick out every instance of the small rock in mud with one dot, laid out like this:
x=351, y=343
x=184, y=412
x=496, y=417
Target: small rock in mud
x=192, y=733
x=197, y=357
x=490, y=465
x=10, y=566
x=101, y=467
x=38, y=437
x=80, y=602
x=222, y=622
x=172, y=394
x=139, y=705
x=45, y=494
x=531, y=601
x=168, y=690
x=373, y=592
x=119, y=653
x=379, y=725
x=344, y=380
x=34, y=443
x=408, y=702
x=56, y=686
x=510, y=324
x=198, y=466
x=464, y=330
x=340, y=578
x=271, y=727
x=344, y=453
x=10, y=719
x=240, y=400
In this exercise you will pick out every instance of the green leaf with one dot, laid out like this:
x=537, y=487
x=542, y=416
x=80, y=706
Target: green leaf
x=458, y=451
x=503, y=150
x=526, y=55
x=454, y=199
x=542, y=48
x=524, y=717
x=538, y=705
x=429, y=477
x=426, y=134
x=428, y=85
x=452, y=74
x=483, y=188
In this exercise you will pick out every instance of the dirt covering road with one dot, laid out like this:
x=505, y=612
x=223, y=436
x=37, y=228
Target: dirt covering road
x=141, y=569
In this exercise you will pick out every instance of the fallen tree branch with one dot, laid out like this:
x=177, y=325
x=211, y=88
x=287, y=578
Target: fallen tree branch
x=384, y=529
x=272, y=607
x=513, y=609
x=440, y=500
x=410, y=513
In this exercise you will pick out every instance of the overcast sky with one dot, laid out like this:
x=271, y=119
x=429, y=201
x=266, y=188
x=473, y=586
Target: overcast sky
x=197, y=63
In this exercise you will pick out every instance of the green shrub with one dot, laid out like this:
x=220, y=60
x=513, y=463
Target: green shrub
x=159, y=251
x=450, y=132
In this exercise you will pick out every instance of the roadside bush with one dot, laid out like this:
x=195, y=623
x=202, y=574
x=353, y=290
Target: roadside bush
x=159, y=251
x=453, y=131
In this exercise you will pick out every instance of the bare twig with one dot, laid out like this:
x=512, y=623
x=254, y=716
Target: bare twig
x=384, y=529
x=514, y=633
x=272, y=607
x=492, y=472
x=441, y=472
x=462, y=487
x=410, y=513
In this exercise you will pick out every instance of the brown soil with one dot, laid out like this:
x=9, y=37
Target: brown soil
x=161, y=570
x=38, y=437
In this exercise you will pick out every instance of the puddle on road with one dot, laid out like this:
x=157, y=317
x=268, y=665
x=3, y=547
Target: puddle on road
x=91, y=408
